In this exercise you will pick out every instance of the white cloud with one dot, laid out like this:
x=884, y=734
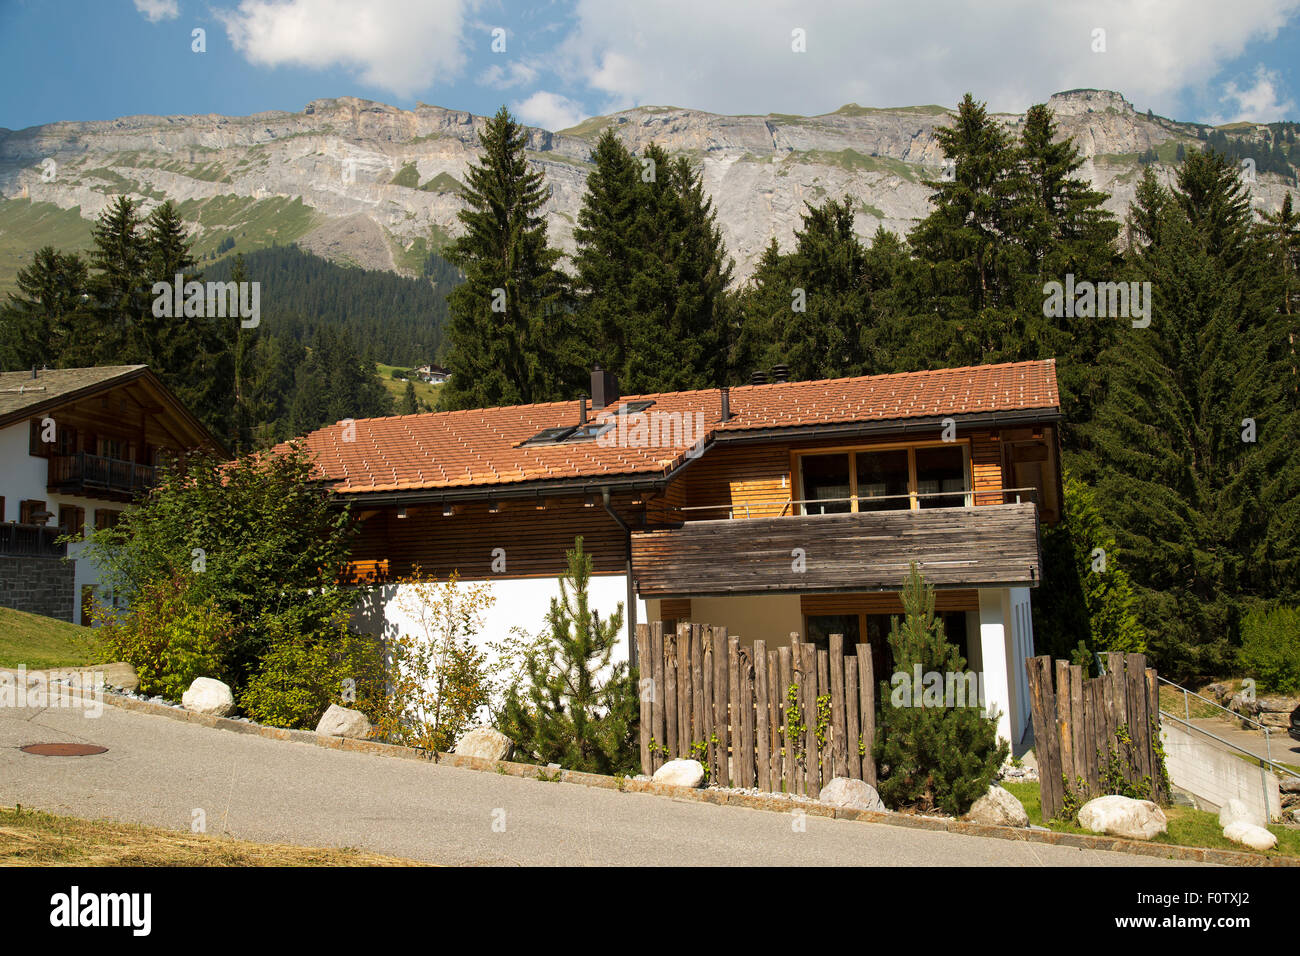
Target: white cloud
x=403, y=46
x=735, y=56
x=1261, y=102
x=550, y=111
x=155, y=10
x=515, y=73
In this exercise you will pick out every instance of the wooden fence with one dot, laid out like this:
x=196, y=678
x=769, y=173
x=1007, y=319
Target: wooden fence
x=783, y=720
x=1087, y=730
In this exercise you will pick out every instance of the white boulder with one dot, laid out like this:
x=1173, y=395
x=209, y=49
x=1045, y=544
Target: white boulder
x=998, y=808
x=681, y=773
x=343, y=722
x=1251, y=835
x=1234, y=811
x=209, y=696
x=1123, y=817
x=485, y=743
x=851, y=794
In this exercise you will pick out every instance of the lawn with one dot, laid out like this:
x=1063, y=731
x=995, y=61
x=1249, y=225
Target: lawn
x=33, y=838
x=1187, y=826
x=424, y=392
x=41, y=642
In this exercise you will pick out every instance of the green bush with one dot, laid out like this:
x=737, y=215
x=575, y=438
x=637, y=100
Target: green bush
x=302, y=674
x=1270, y=648
x=931, y=754
x=170, y=637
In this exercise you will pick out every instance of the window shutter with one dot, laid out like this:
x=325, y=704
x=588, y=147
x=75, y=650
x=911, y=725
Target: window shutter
x=35, y=446
x=28, y=509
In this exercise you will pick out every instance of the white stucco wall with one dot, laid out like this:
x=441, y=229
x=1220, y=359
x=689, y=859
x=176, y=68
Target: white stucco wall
x=1006, y=638
x=22, y=478
x=518, y=602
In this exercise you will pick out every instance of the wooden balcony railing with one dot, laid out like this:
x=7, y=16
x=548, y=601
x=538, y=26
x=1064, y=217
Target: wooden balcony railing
x=31, y=540
x=96, y=476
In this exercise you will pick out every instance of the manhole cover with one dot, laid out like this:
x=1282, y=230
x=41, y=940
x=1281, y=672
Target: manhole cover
x=63, y=750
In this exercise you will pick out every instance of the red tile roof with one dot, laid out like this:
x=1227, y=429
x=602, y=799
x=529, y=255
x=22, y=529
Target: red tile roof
x=482, y=447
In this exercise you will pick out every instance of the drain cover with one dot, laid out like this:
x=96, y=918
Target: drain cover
x=63, y=750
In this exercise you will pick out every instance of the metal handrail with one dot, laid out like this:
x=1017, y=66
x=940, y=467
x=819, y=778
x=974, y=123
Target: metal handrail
x=968, y=493
x=1187, y=711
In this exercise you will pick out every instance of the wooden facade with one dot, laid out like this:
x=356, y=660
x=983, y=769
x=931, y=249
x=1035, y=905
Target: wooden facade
x=682, y=529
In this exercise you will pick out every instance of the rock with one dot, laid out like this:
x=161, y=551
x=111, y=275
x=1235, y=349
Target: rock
x=1272, y=718
x=1278, y=705
x=1287, y=783
x=1243, y=704
x=1218, y=691
x=209, y=696
x=485, y=743
x=1234, y=811
x=681, y=773
x=343, y=722
x=1251, y=835
x=1122, y=817
x=998, y=808
x=119, y=674
x=1029, y=761
x=852, y=795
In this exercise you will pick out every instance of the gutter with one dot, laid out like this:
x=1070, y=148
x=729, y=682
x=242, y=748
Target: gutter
x=631, y=584
x=740, y=436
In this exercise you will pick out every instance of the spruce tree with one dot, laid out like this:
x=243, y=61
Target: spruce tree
x=511, y=337
x=409, y=404
x=45, y=319
x=120, y=259
x=575, y=707
x=932, y=753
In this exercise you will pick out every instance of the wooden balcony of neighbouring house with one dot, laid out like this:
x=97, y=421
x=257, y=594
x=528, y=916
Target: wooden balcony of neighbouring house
x=31, y=540
x=94, y=476
x=954, y=542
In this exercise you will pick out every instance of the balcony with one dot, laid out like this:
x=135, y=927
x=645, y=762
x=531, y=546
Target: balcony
x=985, y=546
x=29, y=540
x=92, y=476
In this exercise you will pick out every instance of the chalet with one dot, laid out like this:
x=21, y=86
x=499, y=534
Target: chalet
x=772, y=509
x=77, y=446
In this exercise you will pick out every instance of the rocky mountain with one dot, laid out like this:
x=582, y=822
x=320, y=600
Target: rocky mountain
x=363, y=183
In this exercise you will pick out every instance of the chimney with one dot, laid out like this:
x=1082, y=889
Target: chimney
x=726, y=404
x=780, y=373
x=604, y=388
x=758, y=378
x=33, y=371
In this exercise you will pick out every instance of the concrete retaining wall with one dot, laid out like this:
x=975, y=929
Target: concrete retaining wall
x=1214, y=774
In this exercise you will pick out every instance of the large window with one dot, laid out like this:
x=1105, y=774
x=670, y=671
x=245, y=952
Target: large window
x=885, y=479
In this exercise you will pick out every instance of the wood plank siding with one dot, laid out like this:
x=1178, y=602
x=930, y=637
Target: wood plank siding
x=995, y=545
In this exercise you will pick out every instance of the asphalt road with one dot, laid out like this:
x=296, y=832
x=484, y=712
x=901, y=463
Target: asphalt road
x=158, y=771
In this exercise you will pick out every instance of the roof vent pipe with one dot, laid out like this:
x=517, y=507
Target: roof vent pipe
x=758, y=378
x=726, y=404
x=780, y=373
x=582, y=409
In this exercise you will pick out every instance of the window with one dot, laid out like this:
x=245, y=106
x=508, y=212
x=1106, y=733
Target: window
x=826, y=488
x=885, y=479
x=72, y=520
x=884, y=475
x=32, y=511
x=106, y=518
x=940, y=469
x=116, y=448
x=36, y=445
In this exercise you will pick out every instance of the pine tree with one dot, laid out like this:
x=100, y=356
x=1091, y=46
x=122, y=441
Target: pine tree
x=120, y=260
x=512, y=339
x=409, y=404
x=576, y=708
x=45, y=320
x=932, y=753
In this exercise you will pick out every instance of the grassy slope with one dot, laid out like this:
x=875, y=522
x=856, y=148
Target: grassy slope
x=1187, y=827
x=397, y=388
x=25, y=226
x=32, y=838
x=43, y=642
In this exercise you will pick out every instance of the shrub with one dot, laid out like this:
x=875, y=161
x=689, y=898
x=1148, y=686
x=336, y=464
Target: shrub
x=303, y=673
x=572, y=706
x=1270, y=648
x=169, y=637
x=931, y=755
x=436, y=680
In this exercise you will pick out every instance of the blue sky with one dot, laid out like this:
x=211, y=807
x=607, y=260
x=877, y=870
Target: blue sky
x=565, y=60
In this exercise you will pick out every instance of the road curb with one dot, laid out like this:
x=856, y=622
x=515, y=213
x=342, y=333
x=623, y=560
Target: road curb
x=719, y=797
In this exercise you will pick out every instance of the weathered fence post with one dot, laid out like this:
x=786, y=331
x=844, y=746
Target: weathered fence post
x=657, y=712
x=720, y=696
x=839, y=750
x=852, y=730
x=761, y=729
x=867, y=710
x=644, y=692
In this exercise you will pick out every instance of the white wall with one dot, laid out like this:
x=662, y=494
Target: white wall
x=1214, y=774
x=519, y=602
x=1006, y=638
x=23, y=477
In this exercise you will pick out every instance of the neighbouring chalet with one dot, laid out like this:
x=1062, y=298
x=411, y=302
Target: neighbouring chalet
x=77, y=446
x=772, y=509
